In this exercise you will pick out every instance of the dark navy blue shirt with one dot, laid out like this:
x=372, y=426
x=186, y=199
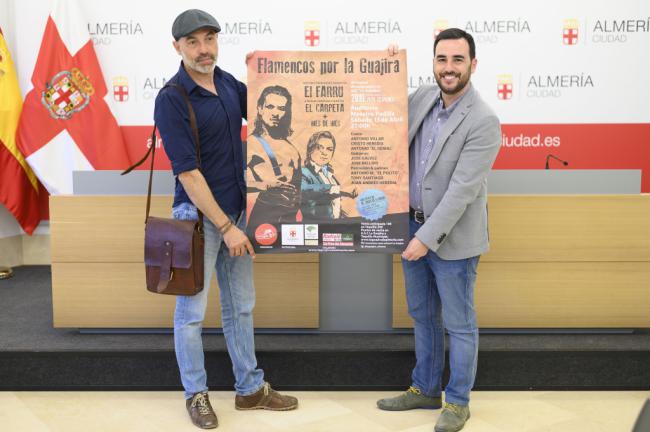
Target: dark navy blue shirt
x=219, y=120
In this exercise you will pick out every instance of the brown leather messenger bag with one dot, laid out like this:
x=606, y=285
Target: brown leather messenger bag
x=173, y=249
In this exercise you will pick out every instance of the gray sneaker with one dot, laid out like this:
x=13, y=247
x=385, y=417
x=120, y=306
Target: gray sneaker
x=452, y=418
x=410, y=399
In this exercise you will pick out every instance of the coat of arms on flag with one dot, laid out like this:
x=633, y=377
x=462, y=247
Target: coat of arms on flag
x=570, y=32
x=120, y=89
x=312, y=33
x=66, y=93
x=504, y=87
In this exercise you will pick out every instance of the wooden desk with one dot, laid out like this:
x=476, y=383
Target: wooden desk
x=560, y=261
x=563, y=261
x=98, y=273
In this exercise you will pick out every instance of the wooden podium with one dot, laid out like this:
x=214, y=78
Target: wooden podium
x=560, y=261
x=98, y=272
x=576, y=260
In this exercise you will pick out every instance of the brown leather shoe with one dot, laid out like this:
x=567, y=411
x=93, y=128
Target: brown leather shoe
x=201, y=412
x=266, y=398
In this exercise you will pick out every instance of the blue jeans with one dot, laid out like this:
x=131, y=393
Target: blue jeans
x=440, y=295
x=237, y=294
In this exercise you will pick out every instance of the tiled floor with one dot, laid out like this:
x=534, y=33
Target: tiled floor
x=319, y=411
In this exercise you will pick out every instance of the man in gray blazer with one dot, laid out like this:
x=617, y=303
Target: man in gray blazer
x=454, y=138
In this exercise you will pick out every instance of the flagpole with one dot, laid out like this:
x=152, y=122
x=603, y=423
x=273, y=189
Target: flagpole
x=6, y=272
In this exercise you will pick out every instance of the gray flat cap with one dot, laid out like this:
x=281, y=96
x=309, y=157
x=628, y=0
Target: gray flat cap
x=191, y=20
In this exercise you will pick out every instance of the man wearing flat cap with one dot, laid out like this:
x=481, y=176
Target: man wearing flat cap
x=217, y=188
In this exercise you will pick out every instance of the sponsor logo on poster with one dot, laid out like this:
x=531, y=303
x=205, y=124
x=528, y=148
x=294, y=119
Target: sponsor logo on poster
x=311, y=235
x=266, y=234
x=311, y=232
x=338, y=239
x=293, y=235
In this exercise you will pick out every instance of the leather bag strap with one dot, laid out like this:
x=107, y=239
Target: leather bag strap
x=152, y=150
x=166, y=271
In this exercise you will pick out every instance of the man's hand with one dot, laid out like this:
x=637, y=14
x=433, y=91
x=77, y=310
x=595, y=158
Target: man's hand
x=393, y=49
x=238, y=243
x=282, y=185
x=415, y=250
x=352, y=194
x=249, y=56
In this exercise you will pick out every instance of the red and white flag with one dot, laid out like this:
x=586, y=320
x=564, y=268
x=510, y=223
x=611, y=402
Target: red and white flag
x=66, y=124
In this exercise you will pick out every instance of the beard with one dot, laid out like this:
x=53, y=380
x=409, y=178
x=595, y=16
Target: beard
x=280, y=131
x=462, y=82
x=195, y=66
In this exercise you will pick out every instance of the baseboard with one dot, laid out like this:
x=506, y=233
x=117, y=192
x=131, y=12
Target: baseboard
x=292, y=368
x=36, y=249
x=25, y=250
x=11, y=251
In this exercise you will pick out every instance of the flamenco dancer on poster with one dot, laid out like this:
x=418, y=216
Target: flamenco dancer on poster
x=274, y=163
x=321, y=191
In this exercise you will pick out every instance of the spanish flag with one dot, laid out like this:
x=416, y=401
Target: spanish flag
x=19, y=187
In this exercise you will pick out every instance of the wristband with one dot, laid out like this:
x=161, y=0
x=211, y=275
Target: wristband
x=230, y=225
x=223, y=228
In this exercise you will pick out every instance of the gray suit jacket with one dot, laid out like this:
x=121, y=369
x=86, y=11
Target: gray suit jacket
x=454, y=188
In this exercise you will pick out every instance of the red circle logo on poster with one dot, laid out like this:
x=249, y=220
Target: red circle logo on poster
x=266, y=234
